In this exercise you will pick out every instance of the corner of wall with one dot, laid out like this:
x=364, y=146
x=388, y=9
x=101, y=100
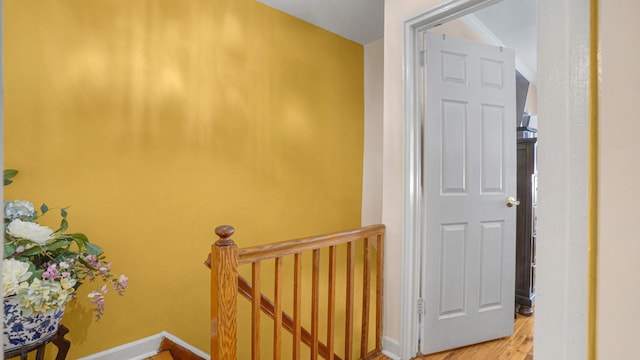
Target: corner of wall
x=391, y=348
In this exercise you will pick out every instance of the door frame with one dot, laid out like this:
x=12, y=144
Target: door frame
x=562, y=279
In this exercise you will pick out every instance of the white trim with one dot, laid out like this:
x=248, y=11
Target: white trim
x=487, y=35
x=142, y=349
x=391, y=348
x=412, y=224
x=563, y=103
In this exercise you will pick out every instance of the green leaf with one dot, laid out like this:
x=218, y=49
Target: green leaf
x=36, y=274
x=32, y=267
x=65, y=237
x=8, y=175
x=57, y=245
x=80, y=239
x=80, y=236
x=33, y=251
x=93, y=249
x=63, y=212
x=44, y=208
x=64, y=225
x=9, y=250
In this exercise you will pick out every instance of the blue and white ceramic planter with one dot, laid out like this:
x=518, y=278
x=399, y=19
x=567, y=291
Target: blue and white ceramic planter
x=20, y=330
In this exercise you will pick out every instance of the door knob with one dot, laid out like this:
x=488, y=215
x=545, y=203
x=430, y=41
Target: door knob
x=511, y=201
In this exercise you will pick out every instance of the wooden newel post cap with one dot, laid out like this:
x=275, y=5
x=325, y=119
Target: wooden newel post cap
x=225, y=232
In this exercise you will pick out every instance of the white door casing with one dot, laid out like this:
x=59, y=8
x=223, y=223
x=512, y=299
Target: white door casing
x=563, y=84
x=469, y=171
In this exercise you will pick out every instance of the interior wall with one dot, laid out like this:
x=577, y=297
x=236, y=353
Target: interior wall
x=532, y=99
x=373, y=105
x=396, y=12
x=618, y=175
x=158, y=120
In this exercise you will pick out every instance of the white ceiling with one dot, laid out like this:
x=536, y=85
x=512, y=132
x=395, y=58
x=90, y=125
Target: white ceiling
x=512, y=22
x=361, y=21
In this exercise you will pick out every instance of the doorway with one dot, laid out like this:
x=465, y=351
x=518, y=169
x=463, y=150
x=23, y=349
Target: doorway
x=560, y=261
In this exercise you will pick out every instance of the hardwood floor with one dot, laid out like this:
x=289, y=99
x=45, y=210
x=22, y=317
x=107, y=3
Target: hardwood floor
x=517, y=347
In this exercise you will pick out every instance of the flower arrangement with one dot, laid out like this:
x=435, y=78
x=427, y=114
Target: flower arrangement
x=43, y=268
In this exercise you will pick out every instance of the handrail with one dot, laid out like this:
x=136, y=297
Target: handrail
x=289, y=247
x=226, y=283
x=267, y=307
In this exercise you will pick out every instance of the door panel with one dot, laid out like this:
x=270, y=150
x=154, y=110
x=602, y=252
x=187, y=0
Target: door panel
x=454, y=139
x=453, y=279
x=492, y=148
x=491, y=271
x=469, y=171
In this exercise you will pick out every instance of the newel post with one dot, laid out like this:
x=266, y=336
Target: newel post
x=224, y=295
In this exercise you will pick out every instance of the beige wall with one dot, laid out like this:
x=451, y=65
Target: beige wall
x=373, y=100
x=619, y=240
x=396, y=12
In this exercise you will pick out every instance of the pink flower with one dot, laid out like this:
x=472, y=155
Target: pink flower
x=120, y=285
x=51, y=273
x=93, y=260
x=97, y=299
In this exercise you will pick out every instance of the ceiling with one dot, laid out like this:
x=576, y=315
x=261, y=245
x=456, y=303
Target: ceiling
x=361, y=21
x=511, y=22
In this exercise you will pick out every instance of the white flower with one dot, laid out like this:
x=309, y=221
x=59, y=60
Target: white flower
x=19, y=208
x=14, y=272
x=43, y=296
x=30, y=231
x=67, y=283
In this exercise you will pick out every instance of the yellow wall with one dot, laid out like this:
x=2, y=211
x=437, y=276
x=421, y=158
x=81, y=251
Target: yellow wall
x=158, y=120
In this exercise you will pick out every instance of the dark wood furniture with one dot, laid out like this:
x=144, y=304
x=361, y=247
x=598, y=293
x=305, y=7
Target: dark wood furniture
x=526, y=226
x=57, y=339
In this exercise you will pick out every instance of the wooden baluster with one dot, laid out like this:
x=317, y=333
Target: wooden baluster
x=224, y=295
x=331, y=301
x=379, y=291
x=277, y=301
x=348, y=332
x=315, y=297
x=297, y=305
x=366, y=294
x=255, y=311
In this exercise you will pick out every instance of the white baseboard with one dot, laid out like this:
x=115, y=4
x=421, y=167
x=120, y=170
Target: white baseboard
x=142, y=349
x=391, y=348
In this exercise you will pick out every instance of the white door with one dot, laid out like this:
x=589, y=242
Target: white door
x=469, y=172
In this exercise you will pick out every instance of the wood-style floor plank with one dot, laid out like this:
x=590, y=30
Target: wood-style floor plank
x=519, y=346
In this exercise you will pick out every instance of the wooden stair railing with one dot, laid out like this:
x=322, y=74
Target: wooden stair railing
x=226, y=283
x=267, y=307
